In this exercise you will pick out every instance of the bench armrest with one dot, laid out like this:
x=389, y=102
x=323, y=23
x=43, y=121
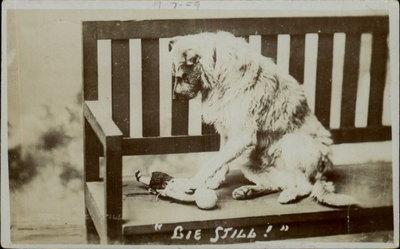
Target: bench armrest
x=101, y=123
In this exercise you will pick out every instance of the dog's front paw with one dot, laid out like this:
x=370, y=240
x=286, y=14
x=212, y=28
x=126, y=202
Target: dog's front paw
x=287, y=196
x=213, y=183
x=217, y=179
x=242, y=193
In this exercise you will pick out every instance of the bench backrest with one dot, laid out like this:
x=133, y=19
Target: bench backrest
x=150, y=31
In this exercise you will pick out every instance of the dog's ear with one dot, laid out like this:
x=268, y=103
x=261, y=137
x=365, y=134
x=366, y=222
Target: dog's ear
x=191, y=57
x=171, y=44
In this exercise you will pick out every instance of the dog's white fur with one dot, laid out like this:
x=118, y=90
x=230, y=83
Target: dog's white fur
x=261, y=114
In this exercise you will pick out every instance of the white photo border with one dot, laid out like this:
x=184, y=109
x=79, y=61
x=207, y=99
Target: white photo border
x=295, y=8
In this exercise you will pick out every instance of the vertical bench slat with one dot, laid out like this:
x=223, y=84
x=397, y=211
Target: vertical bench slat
x=269, y=46
x=180, y=117
x=207, y=129
x=296, y=59
x=378, y=77
x=350, y=79
x=120, y=84
x=323, y=86
x=90, y=88
x=150, y=87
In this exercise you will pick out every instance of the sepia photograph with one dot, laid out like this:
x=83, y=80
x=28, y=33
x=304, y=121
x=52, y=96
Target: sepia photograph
x=223, y=124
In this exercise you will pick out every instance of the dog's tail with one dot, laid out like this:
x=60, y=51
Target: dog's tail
x=324, y=193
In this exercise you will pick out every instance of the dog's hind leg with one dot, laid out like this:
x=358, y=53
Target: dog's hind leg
x=299, y=158
x=296, y=187
x=291, y=195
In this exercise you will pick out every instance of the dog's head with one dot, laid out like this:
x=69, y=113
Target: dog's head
x=186, y=69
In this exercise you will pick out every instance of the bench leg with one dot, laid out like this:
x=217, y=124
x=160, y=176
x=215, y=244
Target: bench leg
x=92, y=237
x=92, y=150
x=113, y=190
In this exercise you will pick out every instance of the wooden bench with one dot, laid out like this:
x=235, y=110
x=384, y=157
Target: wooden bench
x=109, y=219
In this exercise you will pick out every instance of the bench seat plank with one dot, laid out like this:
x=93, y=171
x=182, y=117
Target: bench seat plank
x=370, y=183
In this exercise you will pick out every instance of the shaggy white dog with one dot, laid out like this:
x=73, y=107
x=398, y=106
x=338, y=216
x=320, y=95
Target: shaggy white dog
x=262, y=116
